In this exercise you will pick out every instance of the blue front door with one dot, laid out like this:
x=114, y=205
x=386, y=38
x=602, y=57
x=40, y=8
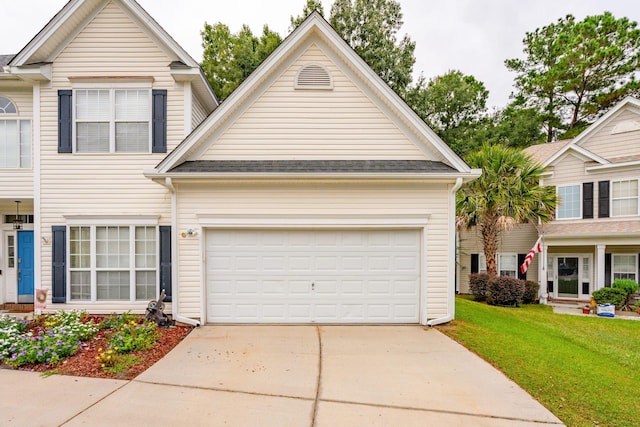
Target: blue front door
x=25, y=266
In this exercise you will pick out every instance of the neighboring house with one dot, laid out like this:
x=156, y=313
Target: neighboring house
x=312, y=194
x=595, y=236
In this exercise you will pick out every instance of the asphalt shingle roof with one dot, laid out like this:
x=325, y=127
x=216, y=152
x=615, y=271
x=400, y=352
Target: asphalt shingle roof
x=5, y=59
x=312, y=166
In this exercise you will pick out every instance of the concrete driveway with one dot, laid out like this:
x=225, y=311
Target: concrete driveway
x=287, y=376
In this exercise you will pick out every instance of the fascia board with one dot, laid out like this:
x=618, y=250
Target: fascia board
x=583, y=152
x=629, y=100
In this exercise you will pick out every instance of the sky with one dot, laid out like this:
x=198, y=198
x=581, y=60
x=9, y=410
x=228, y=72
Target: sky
x=472, y=36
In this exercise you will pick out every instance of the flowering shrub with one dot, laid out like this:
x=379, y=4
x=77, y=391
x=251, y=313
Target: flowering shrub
x=133, y=336
x=63, y=337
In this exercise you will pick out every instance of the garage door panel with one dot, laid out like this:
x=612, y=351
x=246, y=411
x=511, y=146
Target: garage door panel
x=302, y=276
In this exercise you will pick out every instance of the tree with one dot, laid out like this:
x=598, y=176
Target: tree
x=574, y=71
x=507, y=192
x=228, y=59
x=452, y=104
x=309, y=7
x=371, y=27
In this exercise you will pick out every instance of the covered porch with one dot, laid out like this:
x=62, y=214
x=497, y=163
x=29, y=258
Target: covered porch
x=579, y=258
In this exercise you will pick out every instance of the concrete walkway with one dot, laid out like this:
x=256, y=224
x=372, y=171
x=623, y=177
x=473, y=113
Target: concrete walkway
x=286, y=376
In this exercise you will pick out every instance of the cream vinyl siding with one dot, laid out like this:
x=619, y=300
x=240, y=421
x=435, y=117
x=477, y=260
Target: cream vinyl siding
x=18, y=183
x=199, y=113
x=519, y=240
x=569, y=169
x=287, y=123
x=289, y=201
x=611, y=146
x=103, y=184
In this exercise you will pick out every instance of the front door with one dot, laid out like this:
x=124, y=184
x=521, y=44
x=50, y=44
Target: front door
x=568, y=279
x=25, y=266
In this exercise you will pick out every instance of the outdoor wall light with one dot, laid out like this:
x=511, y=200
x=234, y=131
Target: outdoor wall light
x=191, y=232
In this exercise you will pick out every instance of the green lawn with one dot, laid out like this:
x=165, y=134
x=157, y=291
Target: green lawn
x=586, y=370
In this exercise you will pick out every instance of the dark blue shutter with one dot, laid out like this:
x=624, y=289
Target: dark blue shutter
x=159, y=129
x=59, y=263
x=165, y=261
x=521, y=258
x=65, y=121
x=587, y=200
x=607, y=270
x=475, y=261
x=603, y=199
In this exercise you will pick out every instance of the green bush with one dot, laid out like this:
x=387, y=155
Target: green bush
x=133, y=336
x=531, y=289
x=505, y=291
x=628, y=285
x=615, y=296
x=479, y=285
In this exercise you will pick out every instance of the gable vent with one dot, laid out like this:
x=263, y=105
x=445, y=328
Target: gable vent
x=313, y=76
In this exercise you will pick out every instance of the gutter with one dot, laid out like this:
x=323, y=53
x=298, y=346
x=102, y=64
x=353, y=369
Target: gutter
x=452, y=256
x=168, y=183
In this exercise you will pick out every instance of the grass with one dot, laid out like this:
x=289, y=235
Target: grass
x=586, y=370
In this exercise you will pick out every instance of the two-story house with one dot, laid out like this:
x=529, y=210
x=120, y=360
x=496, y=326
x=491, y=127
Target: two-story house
x=100, y=94
x=595, y=235
x=312, y=194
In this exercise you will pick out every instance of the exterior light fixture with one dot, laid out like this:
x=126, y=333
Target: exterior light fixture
x=17, y=222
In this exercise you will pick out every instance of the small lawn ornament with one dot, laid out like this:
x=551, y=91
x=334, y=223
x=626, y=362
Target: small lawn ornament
x=155, y=312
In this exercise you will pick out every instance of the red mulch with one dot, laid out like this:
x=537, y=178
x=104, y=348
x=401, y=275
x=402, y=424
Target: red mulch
x=84, y=363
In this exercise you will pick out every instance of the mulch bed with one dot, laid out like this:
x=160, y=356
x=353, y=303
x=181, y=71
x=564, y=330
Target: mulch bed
x=84, y=363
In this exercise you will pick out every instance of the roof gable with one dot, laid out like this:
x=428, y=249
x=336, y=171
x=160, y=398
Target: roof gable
x=75, y=15
x=313, y=31
x=32, y=62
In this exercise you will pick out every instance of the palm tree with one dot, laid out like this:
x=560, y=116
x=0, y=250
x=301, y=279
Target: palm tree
x=508, y=192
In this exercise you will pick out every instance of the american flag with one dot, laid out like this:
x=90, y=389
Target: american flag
x=537, y=248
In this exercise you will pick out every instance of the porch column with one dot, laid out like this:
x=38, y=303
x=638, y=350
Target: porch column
x=600, y=266
x=542, y=274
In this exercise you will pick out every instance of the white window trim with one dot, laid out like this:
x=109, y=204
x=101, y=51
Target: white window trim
x=635, y=263
x=93, y=264
x=613, y=215
x=482, y=262
x=111, y=87
x=579, y=201
x=15, y=117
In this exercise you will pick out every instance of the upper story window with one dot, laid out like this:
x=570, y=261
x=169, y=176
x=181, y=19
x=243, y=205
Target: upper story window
x=624, y=197
x=569, y=204
x=6, y=106
x=123, y=119
x=113, y=121
x=15, y=137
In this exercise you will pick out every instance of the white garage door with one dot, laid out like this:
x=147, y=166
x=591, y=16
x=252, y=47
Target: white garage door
x=303, y=276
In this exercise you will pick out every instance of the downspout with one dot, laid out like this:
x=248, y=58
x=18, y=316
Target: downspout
x=168, y=183
x=452, y=256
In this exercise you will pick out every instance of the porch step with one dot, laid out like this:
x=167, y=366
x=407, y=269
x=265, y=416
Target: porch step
x=17, y=308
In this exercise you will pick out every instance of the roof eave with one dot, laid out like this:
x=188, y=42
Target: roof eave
x=444, y=177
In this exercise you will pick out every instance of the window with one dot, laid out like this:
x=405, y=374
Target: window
x=569, y=203
x=624, y=266
x=11, y=252
x=508, y=265
x=112, y=263
x=624, y=197
x=15, y=137
x=113, y=121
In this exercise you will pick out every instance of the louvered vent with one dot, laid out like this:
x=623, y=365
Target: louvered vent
x=314, y=76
